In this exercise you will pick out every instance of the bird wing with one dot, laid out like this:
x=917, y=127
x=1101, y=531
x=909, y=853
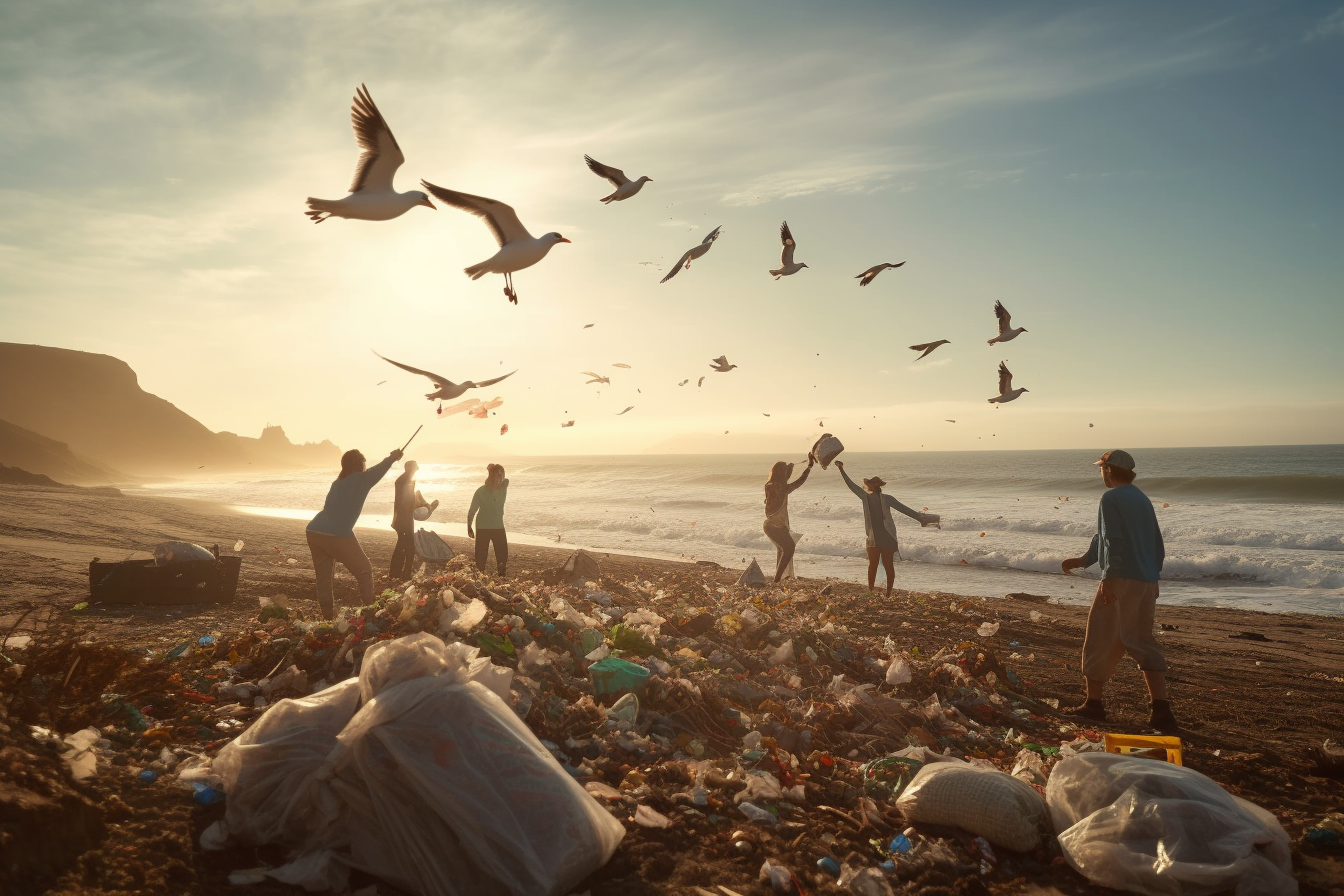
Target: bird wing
x=381, y=156
x=619, y=364
x=870, y=273
x=495, y=380
x=921, y=348
x=590, y=373
x=615, y=175
x=500, y=218
x=1005, y=319
x=438, y=381
x=1005, y=379
x=631, y=408
x=701, y=383
x=713, y=235
x=786, y=237
x=681, y=263
x=721, y=360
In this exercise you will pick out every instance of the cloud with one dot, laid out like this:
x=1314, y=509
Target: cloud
x=1330, y=26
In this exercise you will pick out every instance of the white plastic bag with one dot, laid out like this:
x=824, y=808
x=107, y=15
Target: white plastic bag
x=1163, y=830
x=446, y=792
x=1005, y=811
x=268, y=772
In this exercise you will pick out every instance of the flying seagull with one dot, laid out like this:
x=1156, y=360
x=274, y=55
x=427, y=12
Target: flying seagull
x=631, y=408
x=701, y=383
x=692, y=254
x=586, y=326
x=565, y=425
x=625, y=187
x=928, y=347
x=445, y=388
x=1006, y=331
x=1006, y=390
x=518, y=249
x=371, y=195
x=871, y=274
x=721, y=364
x=787, y=265
x=597, y=378
x=949, y=421
x=683, y=382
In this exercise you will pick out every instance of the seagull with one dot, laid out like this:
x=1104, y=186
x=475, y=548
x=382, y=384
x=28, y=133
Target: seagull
x=683, y=382
x=787, y=265
x=1006, y=331
x=566, y=425
x=928, y=347
x=445, y=388
x=597, y=378
x=586, y=326
x=518, y=249
x=949, y=421
x=763, y=414
x=701, y=383
x=692, y=253
x=1006, y=390
x=721, y=365
x=870, y=275
x=631, y=408
x=371, y=195
x=625, y=187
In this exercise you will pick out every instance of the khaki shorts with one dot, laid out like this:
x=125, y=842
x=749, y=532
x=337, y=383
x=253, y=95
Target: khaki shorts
x=1125, y=625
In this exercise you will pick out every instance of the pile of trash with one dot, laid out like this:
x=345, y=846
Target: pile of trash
x=448, y=713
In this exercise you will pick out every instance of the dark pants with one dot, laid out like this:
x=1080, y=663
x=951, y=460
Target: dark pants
x=403, y=556
x=328, y=550
x=484, y=538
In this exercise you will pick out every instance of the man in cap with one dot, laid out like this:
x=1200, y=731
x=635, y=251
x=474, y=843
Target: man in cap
x=1128, y=545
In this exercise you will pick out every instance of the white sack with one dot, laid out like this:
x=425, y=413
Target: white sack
x=1005, y=811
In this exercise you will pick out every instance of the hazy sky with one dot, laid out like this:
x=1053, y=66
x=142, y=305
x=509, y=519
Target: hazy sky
x=1153, y=189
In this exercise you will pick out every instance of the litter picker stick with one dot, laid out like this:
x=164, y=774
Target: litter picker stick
x=412, y=438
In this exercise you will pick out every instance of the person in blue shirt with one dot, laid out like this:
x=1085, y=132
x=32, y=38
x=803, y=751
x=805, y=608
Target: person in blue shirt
x=331, y=534
x=1128, y=545
x=881, y=528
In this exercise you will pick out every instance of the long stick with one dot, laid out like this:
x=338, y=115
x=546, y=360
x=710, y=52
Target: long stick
x=413, y=435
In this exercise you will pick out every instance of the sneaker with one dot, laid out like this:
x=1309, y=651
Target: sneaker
x=1161, y=717
x=1088, y=709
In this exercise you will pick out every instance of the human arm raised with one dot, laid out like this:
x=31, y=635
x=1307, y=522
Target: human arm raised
x=798, y=483
x=850, y=482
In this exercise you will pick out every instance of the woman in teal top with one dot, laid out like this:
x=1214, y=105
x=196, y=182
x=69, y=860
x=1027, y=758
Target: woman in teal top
x=881, y=527
x=331, y=534
x=487, y=509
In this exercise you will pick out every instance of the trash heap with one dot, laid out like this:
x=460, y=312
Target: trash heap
x=743, y=725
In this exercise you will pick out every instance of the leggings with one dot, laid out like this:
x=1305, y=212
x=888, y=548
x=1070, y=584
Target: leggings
x=327, y=551
x=484, y=538
x=784, y=545
x=886, y=555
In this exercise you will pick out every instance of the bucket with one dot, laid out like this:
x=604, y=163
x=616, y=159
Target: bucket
x=612, y=676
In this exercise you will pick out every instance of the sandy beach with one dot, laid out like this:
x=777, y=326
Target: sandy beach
x=1252, y=710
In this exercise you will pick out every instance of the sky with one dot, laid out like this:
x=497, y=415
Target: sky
x=1154, y=191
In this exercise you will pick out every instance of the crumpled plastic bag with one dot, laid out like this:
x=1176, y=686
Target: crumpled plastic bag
x=1163, y=830
x=447, y=793
x=1005, y=811
x=268, y=771
x=79, y=756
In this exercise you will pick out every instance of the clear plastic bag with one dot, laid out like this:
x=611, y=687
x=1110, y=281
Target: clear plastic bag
x=1005, y=811
x=1163, y=830
x=269, y=772
x=446, y=792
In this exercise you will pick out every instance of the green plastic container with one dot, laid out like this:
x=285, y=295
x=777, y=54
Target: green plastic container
x=615, y=676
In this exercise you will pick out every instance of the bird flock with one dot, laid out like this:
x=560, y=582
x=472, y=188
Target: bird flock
x=373, y=197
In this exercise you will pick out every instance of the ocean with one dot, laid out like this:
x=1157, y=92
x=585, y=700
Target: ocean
x=1253, y=528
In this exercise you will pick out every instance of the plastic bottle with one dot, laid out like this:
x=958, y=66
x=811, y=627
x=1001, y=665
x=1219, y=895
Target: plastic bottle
x=829, y=865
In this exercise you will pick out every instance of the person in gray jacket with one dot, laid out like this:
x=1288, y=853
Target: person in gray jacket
x=881, y=528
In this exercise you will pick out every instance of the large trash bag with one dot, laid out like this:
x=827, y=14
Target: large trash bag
x=1163, y=830
x=269, y=771
x=447, y=793
x=1005, y=811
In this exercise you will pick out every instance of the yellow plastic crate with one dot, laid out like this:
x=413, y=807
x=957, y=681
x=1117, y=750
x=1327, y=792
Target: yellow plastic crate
x=1146, y=745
